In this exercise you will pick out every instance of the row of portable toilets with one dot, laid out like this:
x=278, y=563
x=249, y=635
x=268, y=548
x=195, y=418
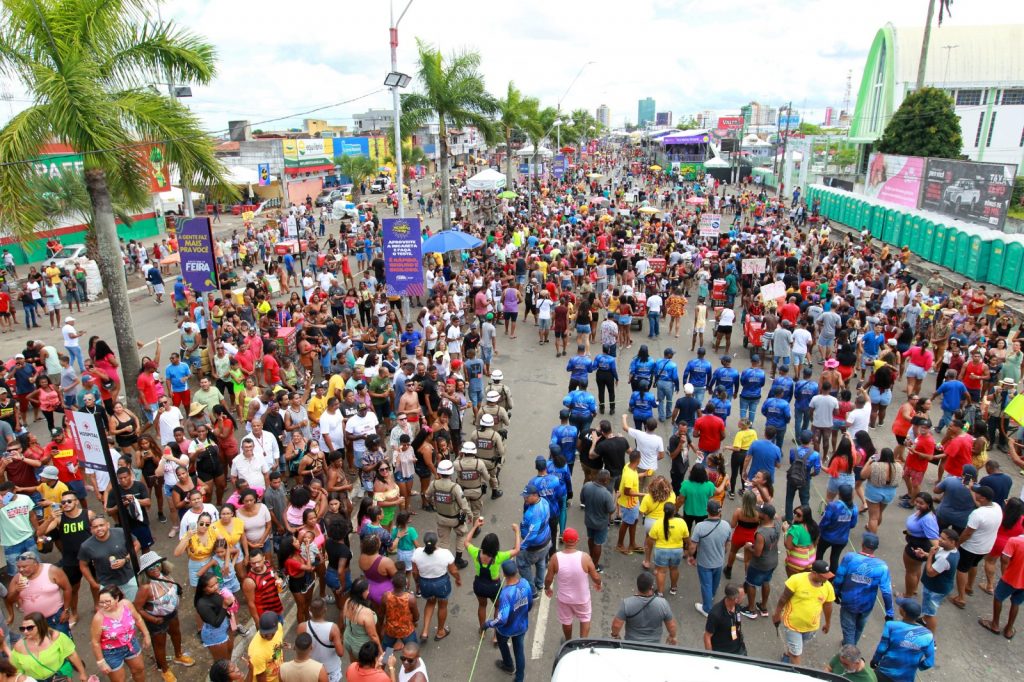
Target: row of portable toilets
x=976, y=252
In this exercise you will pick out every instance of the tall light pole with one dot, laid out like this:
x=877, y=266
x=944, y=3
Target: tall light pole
x=925, y=39
x=397, y=80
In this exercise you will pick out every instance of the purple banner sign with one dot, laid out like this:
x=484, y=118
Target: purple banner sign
x=198, y=264
x=403, y=256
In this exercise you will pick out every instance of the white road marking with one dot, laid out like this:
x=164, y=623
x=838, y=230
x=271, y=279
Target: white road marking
x=541, y=627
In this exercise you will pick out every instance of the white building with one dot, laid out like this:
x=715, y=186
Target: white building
x=604, y=116
x=982, y=69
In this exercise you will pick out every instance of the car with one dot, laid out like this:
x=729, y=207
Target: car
x=68, y=255
x=381, y=185
x=962, y=193
x=329, y=196
x=587, y=660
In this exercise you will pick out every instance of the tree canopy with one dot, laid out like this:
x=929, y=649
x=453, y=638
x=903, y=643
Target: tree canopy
x=924, y=125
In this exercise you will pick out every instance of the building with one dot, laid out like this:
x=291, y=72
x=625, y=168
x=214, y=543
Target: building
x=828, y=117
x=604, y=117
x=756, y=114
x=645, y=112
x=982, y=69
x=317, y=127
x=663, y=118
x=374, y=119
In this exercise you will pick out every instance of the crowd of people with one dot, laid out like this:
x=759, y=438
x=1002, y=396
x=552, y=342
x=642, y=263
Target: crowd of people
x=305, y=438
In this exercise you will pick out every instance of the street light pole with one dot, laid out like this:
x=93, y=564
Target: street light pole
x=397, y=105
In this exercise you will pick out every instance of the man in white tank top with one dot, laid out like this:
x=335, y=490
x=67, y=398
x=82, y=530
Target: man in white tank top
x=327, y=647
x=412, y=668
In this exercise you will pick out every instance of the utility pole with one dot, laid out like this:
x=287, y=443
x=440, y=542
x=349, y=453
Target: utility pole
x=781, y=162
x=186, y=189
x=923, y=61
x=397, y=105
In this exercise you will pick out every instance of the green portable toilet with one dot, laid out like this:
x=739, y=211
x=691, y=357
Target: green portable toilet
x=952, y=242
x=963, y=251
x=1013, y=273
x=877, y=223
x=912, y=228
x=938, y=246
x=889, y=228
x=996, y=260
x=978, y=256
x=901, y=226
x=924, y=246
x=856, y=211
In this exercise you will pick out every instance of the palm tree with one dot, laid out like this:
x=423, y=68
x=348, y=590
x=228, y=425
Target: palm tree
x=513, y=112
x=454, y=94
x=412, y=155
x=358, y=169
x=87, y=65
x=539, y=123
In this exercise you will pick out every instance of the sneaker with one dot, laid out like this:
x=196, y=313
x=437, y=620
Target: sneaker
x=763, y=610
x=329, y=598
x=700, y=609
x=599, y=568
x=187, y=660
x=507, y=669
x=727, y=572
x=732, y=495
x=173, y=532
x=168, y=676
x=161, y=518
x=747, y=613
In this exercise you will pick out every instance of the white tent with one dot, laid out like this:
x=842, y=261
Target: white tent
x=240, y=175
x=716, y=162
x=527, y=151
x=487, y=180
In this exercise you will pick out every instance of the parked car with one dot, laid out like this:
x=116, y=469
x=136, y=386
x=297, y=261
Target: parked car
x=381, y=185
x=329, y=196
x=68, y=255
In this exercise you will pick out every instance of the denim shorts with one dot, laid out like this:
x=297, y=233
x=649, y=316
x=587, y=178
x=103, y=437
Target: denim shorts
x=332, y=580
x=930, y=601
x=630, y=515
x=841, y=479
x=436, y=588
x=406, y=556
x=11, y=553
x=116, y=657
x=668, y=557
x=583, y=329
x=880, y=397
x=756, y=578
x=794, y=640
x=545, y=323
x=1005, y=590
x=598, y=536
x=879, y=494
x=915, y=371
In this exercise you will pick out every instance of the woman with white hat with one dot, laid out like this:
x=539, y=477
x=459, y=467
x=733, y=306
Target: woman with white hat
x=157, y=602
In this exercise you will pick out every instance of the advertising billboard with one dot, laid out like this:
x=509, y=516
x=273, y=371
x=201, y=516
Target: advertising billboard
x=975, y=192
x=403, y=256
x=195, y=245
x=895, y=179
x=730, y=123
x=308, y=152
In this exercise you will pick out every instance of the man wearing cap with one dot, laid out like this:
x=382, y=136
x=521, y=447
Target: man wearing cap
x=998, y=397
x=954, y=393
x=490, y=447
x=570, y=569
x=71, y=342
x=804, y=390
x=805, y=598
x=777, y=414
x=266, y=650
x=453, y=510
x=511, y=620
x=471, y=474
x=43, y=588
x=697, y=373
x=905, y=647
x=553, y=490
x=976, y=540
x=857, y=582
x=687, y=408
x=535, y=531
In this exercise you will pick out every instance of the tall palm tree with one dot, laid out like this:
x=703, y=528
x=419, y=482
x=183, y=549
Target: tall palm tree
x=513, y=111
x=358, y=169
x=539, y=123
x=87, y=65
x=453, y=92
x=412, y=155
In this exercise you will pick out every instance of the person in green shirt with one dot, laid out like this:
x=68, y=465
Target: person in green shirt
x=486, y=560
x=694, y=494
x=849, y=664
x=382, y=395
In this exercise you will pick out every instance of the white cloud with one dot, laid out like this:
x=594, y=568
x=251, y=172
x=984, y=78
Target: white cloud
x=690, y=55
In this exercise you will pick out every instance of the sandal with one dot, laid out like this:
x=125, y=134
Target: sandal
x=957, y=603
x=439, y=636
x=636, y=550
x=1008, y=633
x=623, y=550
x=986, y=589
x=987, y=624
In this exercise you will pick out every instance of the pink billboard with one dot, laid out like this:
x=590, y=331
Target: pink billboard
x=895, y=179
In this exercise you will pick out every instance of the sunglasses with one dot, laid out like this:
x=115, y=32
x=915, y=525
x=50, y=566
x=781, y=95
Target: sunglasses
x=30, y=628
x=203, y=525
x=63, y=502
x=408, y=660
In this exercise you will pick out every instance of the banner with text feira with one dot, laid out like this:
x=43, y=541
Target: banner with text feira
x=198, y=264
x=403, y=256
x=305, y=152
x=895, y=179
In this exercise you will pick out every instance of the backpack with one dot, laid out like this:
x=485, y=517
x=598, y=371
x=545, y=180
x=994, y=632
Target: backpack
x=798, y=474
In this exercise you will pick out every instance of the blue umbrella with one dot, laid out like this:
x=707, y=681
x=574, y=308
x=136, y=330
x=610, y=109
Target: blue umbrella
x=450, y=240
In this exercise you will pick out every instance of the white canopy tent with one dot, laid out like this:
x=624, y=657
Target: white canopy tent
x=487, y=180
x=240, y=175
x=527, y=151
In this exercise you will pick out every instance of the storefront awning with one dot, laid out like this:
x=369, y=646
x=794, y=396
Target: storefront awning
x=327, y=167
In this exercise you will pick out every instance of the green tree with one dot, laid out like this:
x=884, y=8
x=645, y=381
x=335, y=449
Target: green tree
x=513, y=111
x=412, y=156
x=87, y=65
x=809, y=129
x=453, y=92
x=688, y=124
x=924, y=125
x=357, y=169
x=539, y=123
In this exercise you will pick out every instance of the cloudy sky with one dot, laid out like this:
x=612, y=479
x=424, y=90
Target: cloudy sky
x=281, y=58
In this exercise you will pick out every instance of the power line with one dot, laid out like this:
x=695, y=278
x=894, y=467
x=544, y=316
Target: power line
x=214, y=133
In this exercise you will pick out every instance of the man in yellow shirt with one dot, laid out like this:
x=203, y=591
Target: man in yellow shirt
x=629, y=503
x=53, y=272
x=266, y=652
x=806, y=596
x=50, y=488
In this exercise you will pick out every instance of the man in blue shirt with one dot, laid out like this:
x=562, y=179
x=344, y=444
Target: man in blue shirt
x=579, y=367
x=551, y=490
x=607, y=374
x=697, y=373
x=870, y=343
x=777, y=414
x=763, y=455
x=565, y=437
x=857, y=582
x=642, y=404
x=752, y=382
x=535, y=531
x=686, y=408
x=810, y=467
x=720, y=404
x=726, y=377
x=178, y=297
x=803, y=391
x=783, y=382
x=474, y=368
x=905, y=647
x=512, y=620
x=156, y=280
x=953, y=393
x=410, y=339
x=582, y=408
x=666, y=381
x=176, y=378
